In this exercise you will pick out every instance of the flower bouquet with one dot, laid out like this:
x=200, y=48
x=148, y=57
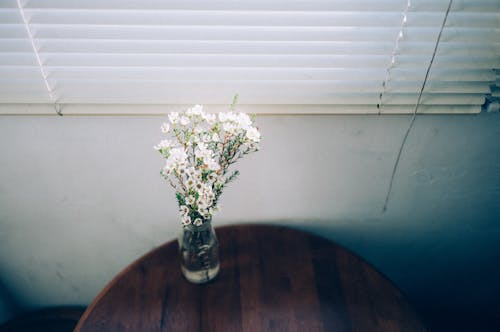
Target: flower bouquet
x=199, y=150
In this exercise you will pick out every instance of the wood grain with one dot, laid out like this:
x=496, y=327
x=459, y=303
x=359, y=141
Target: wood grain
x=272, y=279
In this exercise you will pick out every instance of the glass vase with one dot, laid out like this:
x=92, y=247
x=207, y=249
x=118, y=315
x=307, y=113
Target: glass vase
x=199, y=252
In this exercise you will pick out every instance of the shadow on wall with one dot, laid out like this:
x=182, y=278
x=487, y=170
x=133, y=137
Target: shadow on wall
x=8, y=305
x=449, y=274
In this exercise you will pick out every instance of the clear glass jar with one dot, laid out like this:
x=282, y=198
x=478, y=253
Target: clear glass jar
x=199, y=252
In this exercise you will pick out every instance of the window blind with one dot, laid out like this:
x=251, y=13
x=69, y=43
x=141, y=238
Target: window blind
x=280, y=56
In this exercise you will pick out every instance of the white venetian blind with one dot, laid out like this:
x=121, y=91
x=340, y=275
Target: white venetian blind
x=333, y=56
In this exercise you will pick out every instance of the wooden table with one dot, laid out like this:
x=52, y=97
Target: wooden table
x=271, y=279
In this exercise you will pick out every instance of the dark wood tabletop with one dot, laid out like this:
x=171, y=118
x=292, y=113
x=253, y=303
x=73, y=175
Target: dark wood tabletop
x=272, y=279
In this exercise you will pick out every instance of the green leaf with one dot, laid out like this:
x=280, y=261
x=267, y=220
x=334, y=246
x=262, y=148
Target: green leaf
x=180, y=199
x=204, y=175
x=235, y=101
x=233, y=176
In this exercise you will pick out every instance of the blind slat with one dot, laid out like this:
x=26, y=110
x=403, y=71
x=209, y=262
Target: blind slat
x=71, y=46
x=262, y=5
x=448, y=76
x=257, y=5
x=260, y=60
x=260, y=33
x=337, y=86
x=248, y=18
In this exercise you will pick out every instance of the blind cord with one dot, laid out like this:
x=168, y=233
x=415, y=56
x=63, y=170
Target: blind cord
x=395, y=51
x=414, y=116
x=50, y=91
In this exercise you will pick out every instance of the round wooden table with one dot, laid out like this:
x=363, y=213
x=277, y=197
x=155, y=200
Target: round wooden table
x=272, y=279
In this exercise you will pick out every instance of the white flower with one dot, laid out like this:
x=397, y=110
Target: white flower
x=243, y=121
x=226, y=116
x=253, y=134
x=222, y=117
x=210, y=118
x=204, y=212
x=202, y=152
x=167, y=169
x=184, y=120
x=211, y=176
x=208, y=190
x=229, y=127
x=206, y=138
x=197, y=110
x=198, y=130
x=165, y=127
x=201, y=146
x=212, y=165
x=177, y=155
x=190, y=200
x=163, y=144
x=176, y=159
x=198, y=222
x=183, y=210
x=173, y=117
x=186, y=220
x=202, y=204
x=191, y=171
x=215, y=138
x=180, y=166
x=190, y=183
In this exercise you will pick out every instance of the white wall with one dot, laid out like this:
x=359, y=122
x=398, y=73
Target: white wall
x=81, y=197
